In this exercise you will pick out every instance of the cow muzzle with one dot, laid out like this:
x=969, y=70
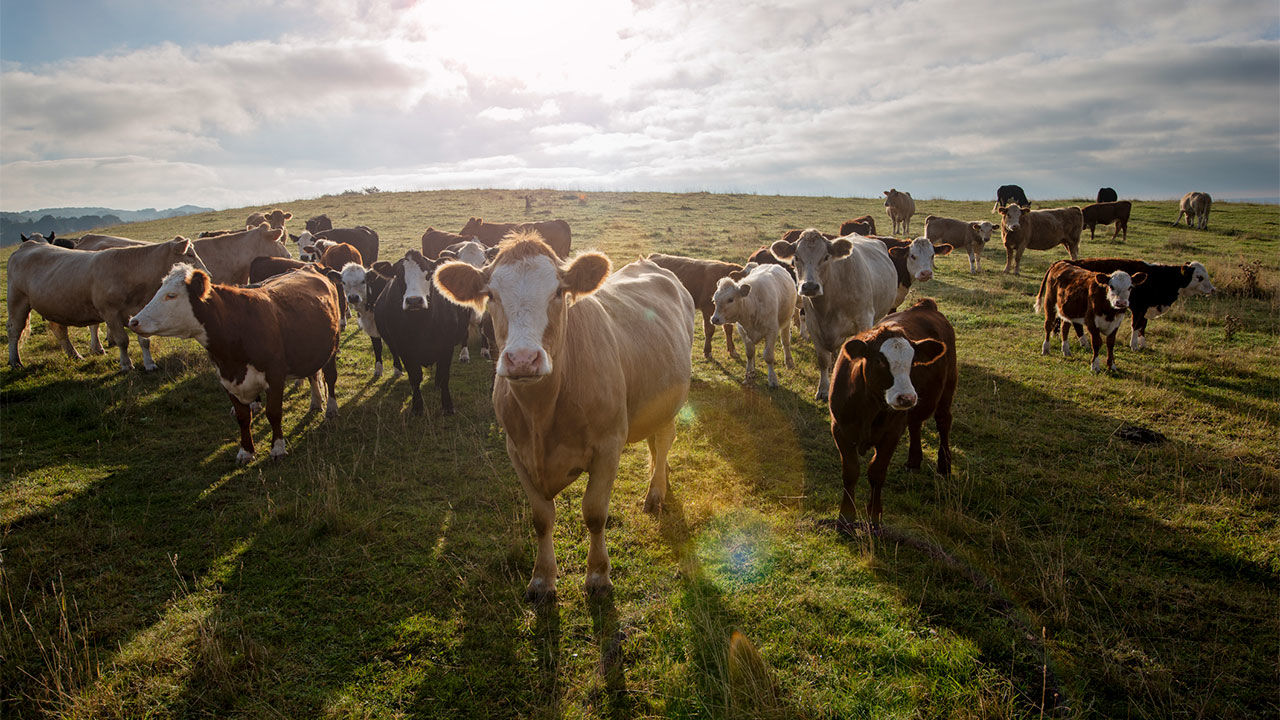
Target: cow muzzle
x=136, y=326
x=810, y=289
x=1122, y=304
x=925, y=275
x=523, y=364
x=414, y=302
x=904, y=401
x=353, y=299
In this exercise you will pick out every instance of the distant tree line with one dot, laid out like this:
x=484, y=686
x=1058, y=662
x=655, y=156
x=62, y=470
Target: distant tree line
x=12, y=230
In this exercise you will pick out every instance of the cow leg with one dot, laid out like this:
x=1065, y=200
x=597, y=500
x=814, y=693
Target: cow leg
x=464, y=355
x=769, y=341
x=95, y=344
x=850, y=466
x=1097, y=348
x=1066, y=338
x=59, y=332
x=876, y=472
x=275, y=412
x=1138, y=336
x=317, y=391
x=489, y=343
x=1008, y=259
x=728, y=341
x=120, y=336
x=1111, y=354
x=542, y=586
x=1050, y=325
x=1074, y=249
x=942, y=419
x=442, y=382
x=1080, y=337
x=148, y=363
x=414, y=371
x=377, y=356
x=824, y=372
x=1017, y=260
x=915, y=450
x=330, y=371
x=242, y=415
x=659, y=446
x=397, y=367
x=749, y=347
x=708, y=330
x=973, y=262
x=786, y=345
x=595, y=514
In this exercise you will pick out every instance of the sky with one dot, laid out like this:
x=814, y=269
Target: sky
x=130, y=104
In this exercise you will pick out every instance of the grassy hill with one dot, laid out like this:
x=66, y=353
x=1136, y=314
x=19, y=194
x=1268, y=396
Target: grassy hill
x=377, y=571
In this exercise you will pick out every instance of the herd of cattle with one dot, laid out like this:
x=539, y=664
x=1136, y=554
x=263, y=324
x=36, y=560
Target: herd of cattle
x=587, y=359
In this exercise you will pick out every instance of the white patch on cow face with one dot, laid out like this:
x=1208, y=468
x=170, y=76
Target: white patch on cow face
x=472, y=253
x=525, y=290
x=984, y=231
x=726, y=302
x=417, y=286
x=169, y=313
x=247, y=389
x=1118, y=288
x=920, y=259
x=1011, y=217
x=899, y=353
x=812, y=252
x=1199, y=284
x=354, y=284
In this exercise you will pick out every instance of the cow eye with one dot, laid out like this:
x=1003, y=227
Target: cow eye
x=170, y=296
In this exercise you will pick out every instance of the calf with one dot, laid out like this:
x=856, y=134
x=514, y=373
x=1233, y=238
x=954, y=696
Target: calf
x=700, y=277
x=555, y=232
x=1006, y=194
x=363, y=287
x=256, y=337
x=897, y=374
x=1072, y=296
x=913, y=260
x=1106, y=213
x=864, y=225
x=971, y=236
x=900, y=207
x=420, y=326
x=1106, y=195
x=1164, y=285
x=761, y=303
x=1023, y=229
x=274, y=218
x=763, y=256
x=475, y=254
x=360, y=237
x=1195, y=207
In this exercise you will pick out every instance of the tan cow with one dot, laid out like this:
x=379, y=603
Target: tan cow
x=228, y=256
x=1024, y=229
x=589, y=362
x=971, y=236
x=699, y=277
x=76, y=288
x=275, y=218
x=1195, y=207
x=900, y=207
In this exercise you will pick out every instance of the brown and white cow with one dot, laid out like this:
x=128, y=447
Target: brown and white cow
x=900, y=208
x=1106, y=213
x=360, y=237
x=1023, y=229
x=275, y=218
x=363, y=288
x=969, y=236
x=699, y=277
x=1164, y=285
x=847, y=284
x=1195, y=207
x=913, y=259
x=434, y=241
x=1071, y=296
x=256, y=337
x=865, y=225
x=554, y=232
x=895, y=375
x=77, y=288
x=589, y=362
x=760, y=300
x=475, y=254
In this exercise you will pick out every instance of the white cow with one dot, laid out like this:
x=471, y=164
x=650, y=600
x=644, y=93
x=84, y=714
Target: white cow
x=761, y=300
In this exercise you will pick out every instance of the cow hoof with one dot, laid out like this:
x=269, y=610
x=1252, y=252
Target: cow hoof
x=150, y=368
x=331, y=409
x=653, y=504
x=599, y=586
x=243, y=457
x=539, y=593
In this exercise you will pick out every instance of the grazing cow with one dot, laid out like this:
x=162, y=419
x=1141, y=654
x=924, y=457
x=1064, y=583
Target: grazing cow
x=433, y=241
x=590, y=362
x=1195, y=206
x=554, y=232
x=419, y=326
x=256, y=337
x=847, y=284
x=475, y=254
x=363, y=287
x=318, y=223
x=274, y=218
x=760, y=300
x=900, y=207
x=699, y=277
x=864, y=225
x=1023, y=229
x=360, y=237
x=77, y=288
x=895, y=375
x=1006, y=194
x=1164, y=285
x=1071, y=296
x=1106, y=195
x=971, y=236
x=1106, y=213
x=913, y=260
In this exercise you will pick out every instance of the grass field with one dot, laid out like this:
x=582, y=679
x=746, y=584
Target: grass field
x=377, y=571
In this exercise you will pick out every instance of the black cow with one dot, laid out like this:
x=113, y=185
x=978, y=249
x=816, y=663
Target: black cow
x=1107, y=195
x=1006, y=194
x=419, y=326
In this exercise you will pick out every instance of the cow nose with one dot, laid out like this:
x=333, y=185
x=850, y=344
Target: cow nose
x=413, y=301
x=810, y=289
x=906, y=400
x=353, y=299
x=716, y=320
x=522, y=361
x=1122, y=304
x=133, y=324
x=926, y=275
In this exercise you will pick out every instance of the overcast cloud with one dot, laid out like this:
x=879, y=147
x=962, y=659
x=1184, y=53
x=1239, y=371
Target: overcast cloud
x=944, y=99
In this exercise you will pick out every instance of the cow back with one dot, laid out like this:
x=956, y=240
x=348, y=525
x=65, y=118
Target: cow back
x=697, y=276
x=360, y=237
x=228, y=256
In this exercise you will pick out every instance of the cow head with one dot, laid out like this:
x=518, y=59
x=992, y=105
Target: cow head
x=181, y=250
x=318, y=223
x=171, y=310
x=355, y=285
x=809, y=255
x=472, y=227
x=1119, y=285
x=528, y=291
x=888, y=356
x=1011, y=217
x=415, y=270
x=730, y=291
x=919, y=257
x=983, y=230
x=277, y=218
x=1196, y=278
x=470, y=252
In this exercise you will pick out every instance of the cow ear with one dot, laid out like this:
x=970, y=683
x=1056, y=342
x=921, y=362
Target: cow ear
x=976, y=226
x=491, y=253
x=447, y=255
x=841, y=247
x=383, y=268
x=855, y=348
x=782, y=249
x=898, y=253
x=928, y=351
x=1102, y=278
x=288, y=216
x=183, y=245
x=198, y=285
x=462, y=284
x=943, y=249
x=1139, y=278
x=24, y=237
x=744, y=290
x=585, y=274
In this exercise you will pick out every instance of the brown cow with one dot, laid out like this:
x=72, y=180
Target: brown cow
x=1024, y=229
x=895, y=375
x=360, y=237
x=699, y=277
x=433, y=241
x=275, y=218
x=268, y=267
x=971, y=236
x=1071, y=296
x=793, y=235
x=900, y=207
x=335, y=257
x=589, y=362
x=318, y=223
x=256, y=337
x=554, y=232
x=865, y=225
x=1106, y=213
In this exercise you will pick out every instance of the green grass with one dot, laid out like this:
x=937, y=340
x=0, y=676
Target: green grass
x=377, y=571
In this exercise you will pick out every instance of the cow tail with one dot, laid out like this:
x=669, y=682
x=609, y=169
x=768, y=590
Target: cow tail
x=1039, y=304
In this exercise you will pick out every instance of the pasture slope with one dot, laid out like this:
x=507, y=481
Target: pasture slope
x=377, y=571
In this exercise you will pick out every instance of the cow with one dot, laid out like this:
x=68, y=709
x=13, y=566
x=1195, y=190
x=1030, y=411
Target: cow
x=699, y=277
x=1023, y=229
x=337, y=255
x=1006, y=194
x=1106, y=195
x=94, y=242
x=1071, y=296
x=792, y=235
x=913, y=260
x=318, y=223
x=847, y=284
x=900, y=207
x=226, y=257
x=265, y=267
x=1164, y=285
x=274, y=218
x=363, y=287
x=419, y=326
x=360, y=237
x=589, y=362
x=216, y=233
x=53, y=239
x=896, y=375
x=475, y=254
x=554, y=232
x=1195, y=206
x=764, y=256
x=256, y=337
x=760, y=300
x=77, y=288
x=434, y=241
x=1106, y=213
x=864, y=225
x=971, y=236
